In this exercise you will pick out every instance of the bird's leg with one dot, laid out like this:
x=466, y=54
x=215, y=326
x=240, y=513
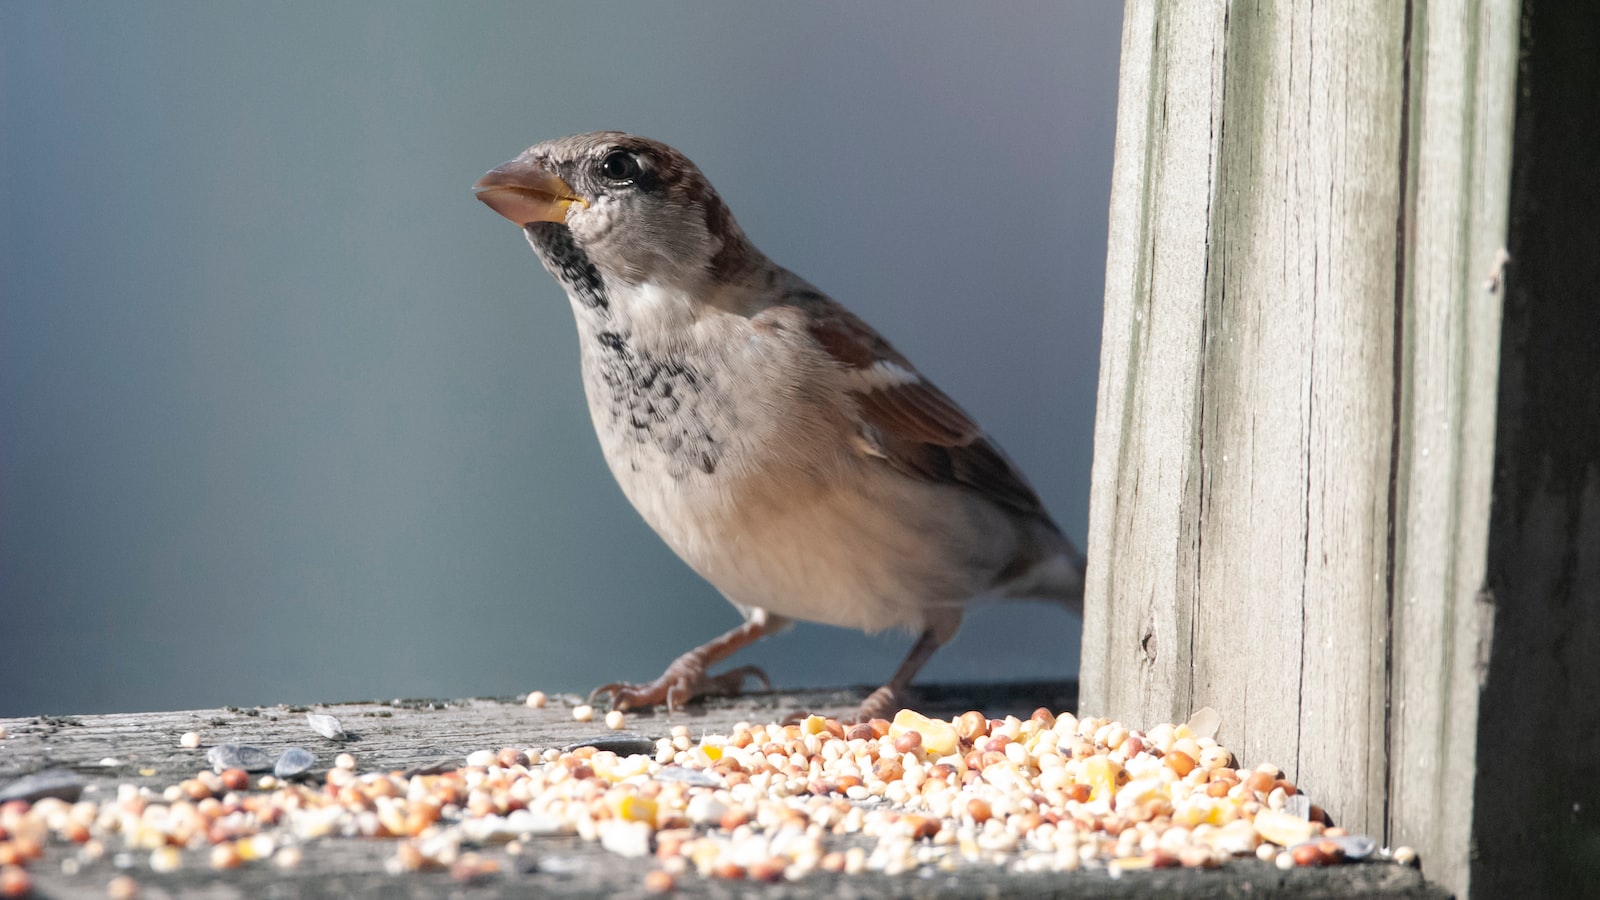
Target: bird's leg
x=887, y=700
x=686, y=678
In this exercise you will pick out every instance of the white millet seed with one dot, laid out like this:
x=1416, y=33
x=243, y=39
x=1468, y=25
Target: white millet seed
x=166, y=859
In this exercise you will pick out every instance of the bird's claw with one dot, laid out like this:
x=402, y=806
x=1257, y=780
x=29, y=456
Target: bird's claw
x=683, y=681
x=731, y=682
x=882, y=703
x=626, y=696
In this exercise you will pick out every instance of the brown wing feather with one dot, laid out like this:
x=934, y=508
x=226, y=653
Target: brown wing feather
x=922, y=431
x=905, y=411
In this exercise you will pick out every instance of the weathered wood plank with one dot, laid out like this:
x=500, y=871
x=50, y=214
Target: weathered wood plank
x=401, y=734
x=1144, y=455
x=1293, y=446
x=1463, y=76
x=405, y=734
x=1246, y=390
x=1296, y=394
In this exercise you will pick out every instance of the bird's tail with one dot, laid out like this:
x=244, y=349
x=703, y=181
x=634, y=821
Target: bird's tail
x=1057, y=577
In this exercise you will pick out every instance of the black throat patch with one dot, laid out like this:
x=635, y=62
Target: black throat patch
x=569, y=264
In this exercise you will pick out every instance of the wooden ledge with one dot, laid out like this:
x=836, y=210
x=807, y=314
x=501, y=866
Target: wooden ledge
x=143, y=748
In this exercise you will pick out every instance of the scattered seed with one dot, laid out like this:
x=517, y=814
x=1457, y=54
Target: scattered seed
x=473, y=868
x=166, y=859
x=625, y=838
x=537, y=699
x=936, y=737
x=1204, y=722
x=615, y=720
x=908, y=741
x=1354, y=846
x=1283, y=829
x=859, y=732
x=260, y=846
x=583, y=712
x=1277, y=800
x=766, y=802
x=1180, y=762
x=225, y=856
x=972, y=725
x=686, y=775
x=15, y=881
x=768, y=870
x=239, y=756
x=327, y=726
x=61, y=784
x=1308, y=854
x=122, y=887
x=190, y=740
x=294, y=762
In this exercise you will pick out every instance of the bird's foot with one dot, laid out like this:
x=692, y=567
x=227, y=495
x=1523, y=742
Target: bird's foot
x=683, y=681
x=882, y=703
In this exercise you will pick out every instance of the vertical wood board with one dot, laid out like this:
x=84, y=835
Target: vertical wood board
x=1295, y=434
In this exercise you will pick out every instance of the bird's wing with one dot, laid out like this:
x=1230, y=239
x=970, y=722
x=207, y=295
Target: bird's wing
x=912, y=424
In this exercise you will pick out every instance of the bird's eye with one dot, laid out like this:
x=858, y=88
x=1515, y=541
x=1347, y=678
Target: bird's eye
x=619, y=166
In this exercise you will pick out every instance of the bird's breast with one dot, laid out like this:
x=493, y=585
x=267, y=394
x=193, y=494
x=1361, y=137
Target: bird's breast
x=656, y=414
x=693, y=422
x=732, y=445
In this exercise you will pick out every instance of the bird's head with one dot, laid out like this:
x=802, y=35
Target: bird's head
x=638, y=209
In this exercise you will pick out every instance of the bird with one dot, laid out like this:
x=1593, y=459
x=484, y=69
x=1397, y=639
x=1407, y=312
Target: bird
x=784, y=449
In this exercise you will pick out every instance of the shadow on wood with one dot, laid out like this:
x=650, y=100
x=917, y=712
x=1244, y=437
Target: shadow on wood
x=1537, y=801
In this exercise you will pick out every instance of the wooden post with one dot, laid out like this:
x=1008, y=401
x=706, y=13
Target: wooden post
x=1294, y=446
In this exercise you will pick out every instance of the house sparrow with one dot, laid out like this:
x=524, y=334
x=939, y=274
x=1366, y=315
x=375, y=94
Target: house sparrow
x=776, y=442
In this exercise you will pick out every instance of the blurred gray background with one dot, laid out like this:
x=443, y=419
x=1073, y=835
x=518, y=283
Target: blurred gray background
x=287, y=416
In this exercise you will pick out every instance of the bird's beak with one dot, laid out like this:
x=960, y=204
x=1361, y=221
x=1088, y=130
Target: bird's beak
x=526, y=192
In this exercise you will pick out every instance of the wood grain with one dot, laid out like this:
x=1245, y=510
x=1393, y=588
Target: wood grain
x=1295, y=434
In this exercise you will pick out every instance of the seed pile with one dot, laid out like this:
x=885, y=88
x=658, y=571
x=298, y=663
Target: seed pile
x=767, y=801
